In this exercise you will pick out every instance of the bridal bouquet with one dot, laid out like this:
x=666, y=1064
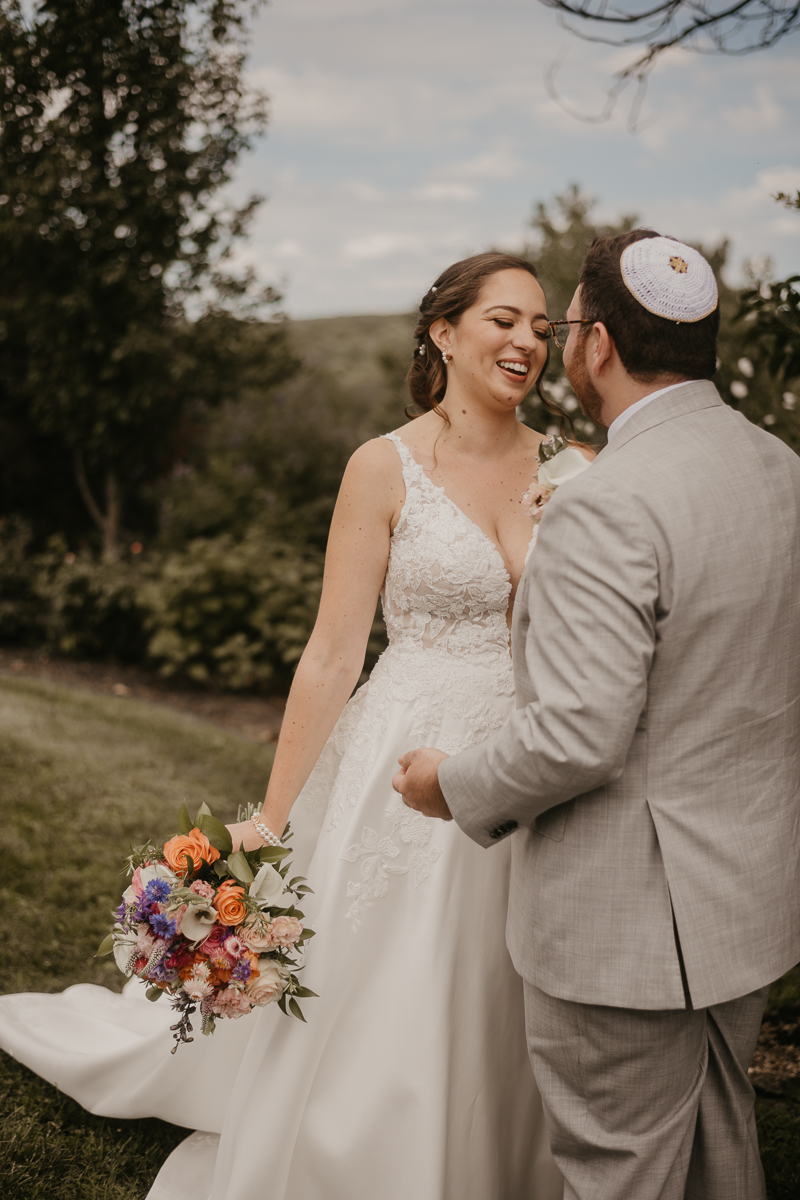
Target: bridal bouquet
x=215, y=928
x=558, y=462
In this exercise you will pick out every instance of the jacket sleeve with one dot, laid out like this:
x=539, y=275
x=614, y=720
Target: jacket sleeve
x=592, y=599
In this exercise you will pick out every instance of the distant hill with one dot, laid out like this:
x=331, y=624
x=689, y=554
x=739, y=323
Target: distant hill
x=361, y=352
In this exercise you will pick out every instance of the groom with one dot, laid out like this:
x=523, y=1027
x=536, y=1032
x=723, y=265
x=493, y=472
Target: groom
x=651, y=771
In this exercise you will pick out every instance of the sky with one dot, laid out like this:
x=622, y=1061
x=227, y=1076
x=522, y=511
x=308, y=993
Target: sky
x=404, y=135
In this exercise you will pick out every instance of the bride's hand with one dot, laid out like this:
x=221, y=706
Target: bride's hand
x=245, y=832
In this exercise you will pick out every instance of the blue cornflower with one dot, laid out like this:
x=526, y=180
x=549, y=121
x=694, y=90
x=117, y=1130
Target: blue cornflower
x=162, y=926
x=242, y=971
x=157, y=889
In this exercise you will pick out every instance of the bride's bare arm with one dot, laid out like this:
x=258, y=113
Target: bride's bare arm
x=369, y=503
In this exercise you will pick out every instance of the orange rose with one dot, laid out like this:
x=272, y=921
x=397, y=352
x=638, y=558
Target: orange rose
x=228, y=903
x=194, y=845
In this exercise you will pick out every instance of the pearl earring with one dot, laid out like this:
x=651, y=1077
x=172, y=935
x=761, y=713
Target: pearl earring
x=445, y=358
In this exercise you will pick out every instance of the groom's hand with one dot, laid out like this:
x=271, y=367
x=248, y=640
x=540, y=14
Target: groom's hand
x=417, y=782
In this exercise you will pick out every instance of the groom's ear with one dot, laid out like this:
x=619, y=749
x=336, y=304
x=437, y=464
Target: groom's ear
x=601, y=351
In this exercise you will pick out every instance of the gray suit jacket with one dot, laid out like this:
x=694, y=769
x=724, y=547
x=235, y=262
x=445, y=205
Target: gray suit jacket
x=652, y=767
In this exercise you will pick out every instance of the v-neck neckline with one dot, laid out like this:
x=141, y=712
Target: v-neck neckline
x=440, y=488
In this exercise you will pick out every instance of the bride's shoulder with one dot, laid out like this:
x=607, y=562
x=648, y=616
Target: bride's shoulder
x=375, y=470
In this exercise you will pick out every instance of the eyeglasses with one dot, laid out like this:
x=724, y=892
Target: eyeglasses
x=561, y=329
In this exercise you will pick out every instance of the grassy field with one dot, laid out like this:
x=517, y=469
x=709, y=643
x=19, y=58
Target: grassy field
x=81, y=777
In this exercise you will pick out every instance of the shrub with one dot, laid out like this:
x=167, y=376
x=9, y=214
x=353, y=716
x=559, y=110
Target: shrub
x=92, y=609
x=232, y=612
x=22, y=608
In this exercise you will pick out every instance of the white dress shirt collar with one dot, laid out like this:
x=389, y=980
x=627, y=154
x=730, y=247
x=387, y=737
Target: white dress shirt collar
x=627, y=413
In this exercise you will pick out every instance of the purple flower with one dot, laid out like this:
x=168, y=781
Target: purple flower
x=119, y=911
x=242, y=971
x=157, y=889
x=162, y=926
x=162, y=973
x=141, y=912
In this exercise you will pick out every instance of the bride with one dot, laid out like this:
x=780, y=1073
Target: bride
x=411, y=1078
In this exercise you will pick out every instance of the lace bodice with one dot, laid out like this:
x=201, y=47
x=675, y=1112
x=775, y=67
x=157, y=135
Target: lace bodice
x=446, y=584
x=445, y=680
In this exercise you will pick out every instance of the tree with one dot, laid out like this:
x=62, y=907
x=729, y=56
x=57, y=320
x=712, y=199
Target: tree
x=563, y=230
x=767, y=324
x=120, y=120
x=706, y=26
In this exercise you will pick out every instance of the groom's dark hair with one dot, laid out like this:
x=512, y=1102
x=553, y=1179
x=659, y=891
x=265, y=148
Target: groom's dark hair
x=648, y=346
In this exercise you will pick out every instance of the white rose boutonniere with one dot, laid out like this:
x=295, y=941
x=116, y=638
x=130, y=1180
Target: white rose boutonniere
x=558, y=463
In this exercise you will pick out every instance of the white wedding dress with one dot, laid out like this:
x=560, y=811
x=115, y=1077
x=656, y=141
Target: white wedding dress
x=411, y=1079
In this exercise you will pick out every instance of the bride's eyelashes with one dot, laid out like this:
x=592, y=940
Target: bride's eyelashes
x=541, y=334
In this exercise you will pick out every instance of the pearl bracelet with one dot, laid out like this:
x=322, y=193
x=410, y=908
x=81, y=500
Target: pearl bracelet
x=265, y=833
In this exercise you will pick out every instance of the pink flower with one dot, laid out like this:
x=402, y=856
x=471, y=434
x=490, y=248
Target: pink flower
x=219, y=959
x=257, y=936
x=234, y=946
x=534, y=500
x=202, y=889
x=197, y=985
x=197, y=989
x=145, y=941
x=268, y=984
x=215, y=939
x=285, y=931
x=176, y=915
x=231, y=1003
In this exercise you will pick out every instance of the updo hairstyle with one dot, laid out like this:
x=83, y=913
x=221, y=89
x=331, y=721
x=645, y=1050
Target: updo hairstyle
x=456, y=290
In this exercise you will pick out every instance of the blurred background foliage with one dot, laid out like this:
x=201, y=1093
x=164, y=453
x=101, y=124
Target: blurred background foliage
x=171, y=445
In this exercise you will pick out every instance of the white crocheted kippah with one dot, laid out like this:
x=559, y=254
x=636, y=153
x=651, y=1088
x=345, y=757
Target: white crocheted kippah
x=669, y=279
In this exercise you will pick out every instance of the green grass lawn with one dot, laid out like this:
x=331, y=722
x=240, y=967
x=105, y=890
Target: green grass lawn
x=81, y=778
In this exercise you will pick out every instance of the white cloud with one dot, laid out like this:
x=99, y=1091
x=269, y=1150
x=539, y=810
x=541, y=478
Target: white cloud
x=459, y=192
x=406, y=134
x=499, y=162
x=760, y=114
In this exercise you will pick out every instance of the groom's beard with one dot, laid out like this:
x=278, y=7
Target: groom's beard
x=589, y=398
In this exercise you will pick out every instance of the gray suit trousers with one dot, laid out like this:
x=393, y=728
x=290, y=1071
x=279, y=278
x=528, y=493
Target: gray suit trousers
x=649, y=1105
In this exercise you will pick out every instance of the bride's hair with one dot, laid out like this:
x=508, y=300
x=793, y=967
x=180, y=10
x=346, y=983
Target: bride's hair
x=456, y=290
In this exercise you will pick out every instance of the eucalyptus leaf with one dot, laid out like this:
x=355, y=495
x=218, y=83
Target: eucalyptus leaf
x=282, y=1004
x=273, y=854
x=203, y=811
x=220, y=868
x=106, y=946
x=153, y=993
x=295, y=1010
x=306, y=934
x=239, y=867
x=184, y=820
x=216, y=833
x=304, y=991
